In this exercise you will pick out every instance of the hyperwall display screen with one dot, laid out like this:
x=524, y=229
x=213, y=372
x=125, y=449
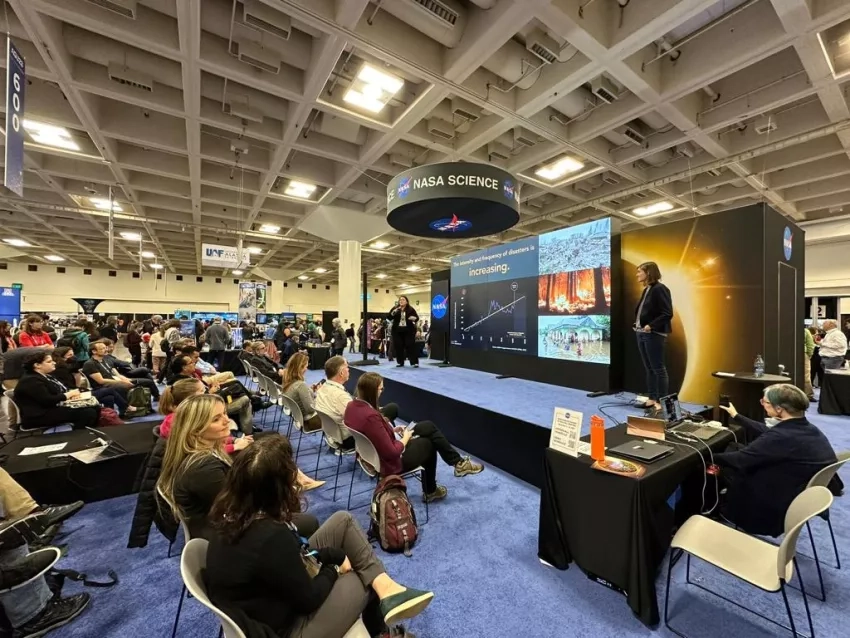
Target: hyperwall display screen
x=546, y=296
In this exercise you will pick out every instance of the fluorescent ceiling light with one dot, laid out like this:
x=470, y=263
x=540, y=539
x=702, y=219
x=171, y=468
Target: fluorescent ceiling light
x=269, y=228
x=380, y=245
x=49, y=135
x=380, y=276
x=321, y=271
x=103, y=204
x=413, y=268
x=157, y=266
x=54, y=258
x=559, y=168
x=303, y=277
x=20, y=243
x=403, y=286
x=652, y=209
x=299, y=189
x=131, y=236
x=255, y=250
x=372, y=89
x=146, y=254
x=237, y=272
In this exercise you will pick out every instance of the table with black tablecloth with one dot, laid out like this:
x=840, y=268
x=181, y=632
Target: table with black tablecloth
x=230, y=361
x=617, y=529
x=318, y=355
x=746, y=390
x=835, y=393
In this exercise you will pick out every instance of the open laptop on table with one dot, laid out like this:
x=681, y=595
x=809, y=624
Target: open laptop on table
x=678, y=423
x=108, y=449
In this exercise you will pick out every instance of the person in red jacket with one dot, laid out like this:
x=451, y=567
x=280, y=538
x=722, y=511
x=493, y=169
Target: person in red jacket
x=32, y=335
x=419, y=445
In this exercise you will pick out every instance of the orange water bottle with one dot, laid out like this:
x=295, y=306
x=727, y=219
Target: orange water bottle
x=597, y=438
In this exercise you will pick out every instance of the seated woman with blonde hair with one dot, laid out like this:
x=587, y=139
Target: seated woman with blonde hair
x=196, y=463
x=297, y=389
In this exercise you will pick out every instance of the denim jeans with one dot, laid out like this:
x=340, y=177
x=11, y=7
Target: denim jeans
x=832, y=363
x=651, y=346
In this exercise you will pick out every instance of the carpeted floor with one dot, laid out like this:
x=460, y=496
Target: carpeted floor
x=478, y=553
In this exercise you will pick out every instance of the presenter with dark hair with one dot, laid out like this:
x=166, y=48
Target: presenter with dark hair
x=404, y=320
x=653, y=318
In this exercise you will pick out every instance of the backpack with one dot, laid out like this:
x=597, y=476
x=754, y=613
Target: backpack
x=140, y=398
x=393, y=520
x=73, y=341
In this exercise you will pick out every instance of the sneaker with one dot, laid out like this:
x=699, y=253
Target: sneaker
x=22, y=571
x=367, y=467
x=404, y=605
x=58, y=513
x=437, y=495
x=59, y=611
x=24, y=530
x=466, y=466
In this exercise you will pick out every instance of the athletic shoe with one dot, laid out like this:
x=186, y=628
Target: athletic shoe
x=367, y=467
x=27, y=568
x=404, y=605
x=437, y=495
x=59, y=611
x=58, y=513
x=24, y=530
x=466, y=466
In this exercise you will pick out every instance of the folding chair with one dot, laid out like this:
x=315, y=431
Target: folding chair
x=331, y=431
x=748, y=558
x=366, y=451
x=296, y=419
x=14, y=415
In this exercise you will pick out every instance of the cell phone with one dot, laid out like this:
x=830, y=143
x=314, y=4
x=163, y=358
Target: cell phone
x=724, y=400
x=322, y=382
x=411, y=425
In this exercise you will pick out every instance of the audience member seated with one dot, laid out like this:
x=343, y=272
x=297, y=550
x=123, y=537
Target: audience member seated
x=297, y=389
x=26, y=599
x=238, y=400
x=257, y=569
x=32, y=335
x=763, y=478
x=102, y=375
x=41, y=398
x=332, y=398
x=206, y=371
x=139, y=376
x=195, y=463
x=255, y=354
x=418, y=445
x=66, y=366
x=77, y=339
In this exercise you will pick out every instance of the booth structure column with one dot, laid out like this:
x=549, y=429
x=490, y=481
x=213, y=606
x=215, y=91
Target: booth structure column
x=350, y=305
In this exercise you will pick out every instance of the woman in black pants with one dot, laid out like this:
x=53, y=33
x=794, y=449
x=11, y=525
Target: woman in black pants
x=419, y=445
x=403, y=332
x=38, y=396
x=653, y=318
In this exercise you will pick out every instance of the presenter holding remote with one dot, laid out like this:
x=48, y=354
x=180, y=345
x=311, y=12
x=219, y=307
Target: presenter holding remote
x=404, y=320
x=653, y=318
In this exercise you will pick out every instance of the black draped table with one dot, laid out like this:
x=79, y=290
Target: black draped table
x=835, y=393
x=318, y=355
x=230, y=361
x=617, y=529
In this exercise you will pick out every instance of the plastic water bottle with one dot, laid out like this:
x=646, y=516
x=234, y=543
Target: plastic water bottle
x=758, y=366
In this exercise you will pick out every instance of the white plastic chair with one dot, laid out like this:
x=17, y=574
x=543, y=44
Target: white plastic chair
x=192, y=565
x=297, y=419
x=331, y=431
x=187, y=537
x=751, y=559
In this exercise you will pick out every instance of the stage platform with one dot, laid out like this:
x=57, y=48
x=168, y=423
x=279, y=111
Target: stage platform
x=505, y=422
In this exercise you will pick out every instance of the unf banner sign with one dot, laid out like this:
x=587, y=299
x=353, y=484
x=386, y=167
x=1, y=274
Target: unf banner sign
x=224, y=256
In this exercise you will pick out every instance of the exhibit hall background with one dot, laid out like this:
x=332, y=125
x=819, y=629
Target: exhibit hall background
x=735, y=295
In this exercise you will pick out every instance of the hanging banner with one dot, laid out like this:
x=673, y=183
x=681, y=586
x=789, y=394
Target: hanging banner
x=224, y=256
x=13, y=176
x=88, y=305
x=252, y=298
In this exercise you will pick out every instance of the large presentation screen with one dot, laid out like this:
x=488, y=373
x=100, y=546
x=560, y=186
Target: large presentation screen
x=546, y=296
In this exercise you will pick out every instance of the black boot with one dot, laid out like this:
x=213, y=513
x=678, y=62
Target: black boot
x=59, y=611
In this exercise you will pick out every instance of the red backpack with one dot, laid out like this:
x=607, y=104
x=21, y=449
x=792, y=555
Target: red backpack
x=393, y=518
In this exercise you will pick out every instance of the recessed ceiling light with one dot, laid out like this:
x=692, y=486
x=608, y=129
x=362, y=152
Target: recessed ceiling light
x=321, y=271
x=303, y=277
x=413, y=268
x=372, y=89
x=54, y=258
x=559, y=168
x=402, y=285
x=652, y=209
x=238, y=272
x=269, y=228
x=299, y=189
x=146, y=254
x=103, y=204
x=131, y=236
x=157, y=266
x=255, y=250
x=380, y=276
x=380, y=245
x=50, y=135
x=20, y=243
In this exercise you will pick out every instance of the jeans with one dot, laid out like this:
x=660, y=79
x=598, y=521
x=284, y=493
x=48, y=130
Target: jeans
x=111, y=397
x=832, y=363
x=423, y=449
x=651, y=347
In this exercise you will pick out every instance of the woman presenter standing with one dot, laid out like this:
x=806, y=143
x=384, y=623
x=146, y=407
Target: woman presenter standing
x=653, y=318
x=404, y=320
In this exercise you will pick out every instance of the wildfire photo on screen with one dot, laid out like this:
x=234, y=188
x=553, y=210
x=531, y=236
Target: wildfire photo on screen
x=581, y=292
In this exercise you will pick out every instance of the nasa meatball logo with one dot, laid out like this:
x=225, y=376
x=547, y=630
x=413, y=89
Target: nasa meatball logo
x=508, y=189
x=404, y=187
x=453, y=225
x=788, y=243
x=439, y=307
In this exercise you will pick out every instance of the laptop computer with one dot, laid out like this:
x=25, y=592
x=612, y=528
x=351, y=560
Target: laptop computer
x=641, y=451
x=679, y=424
x=108, y=449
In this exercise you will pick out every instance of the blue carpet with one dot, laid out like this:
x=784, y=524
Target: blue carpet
x=478, y=553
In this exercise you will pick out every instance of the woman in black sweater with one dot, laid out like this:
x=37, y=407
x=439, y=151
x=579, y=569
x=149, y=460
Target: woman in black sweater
x=38, y=396
x=653, y=322
x=261, y=572
x=404, y=320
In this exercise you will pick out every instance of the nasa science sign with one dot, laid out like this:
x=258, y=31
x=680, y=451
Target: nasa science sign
x=453, y=200
x=224, y=256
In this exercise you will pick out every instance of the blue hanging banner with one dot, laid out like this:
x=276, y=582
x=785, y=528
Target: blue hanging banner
x=16, y=80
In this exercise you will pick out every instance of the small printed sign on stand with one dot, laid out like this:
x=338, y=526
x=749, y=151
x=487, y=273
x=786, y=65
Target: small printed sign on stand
x=566, y=431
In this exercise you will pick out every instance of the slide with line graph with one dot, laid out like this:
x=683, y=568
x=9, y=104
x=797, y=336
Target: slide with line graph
x=496, y=315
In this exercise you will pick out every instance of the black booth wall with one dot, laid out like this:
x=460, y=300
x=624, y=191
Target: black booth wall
x=440, y=284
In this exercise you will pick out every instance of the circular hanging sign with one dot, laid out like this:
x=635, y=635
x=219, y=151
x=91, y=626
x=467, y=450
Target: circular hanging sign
x=453, y=200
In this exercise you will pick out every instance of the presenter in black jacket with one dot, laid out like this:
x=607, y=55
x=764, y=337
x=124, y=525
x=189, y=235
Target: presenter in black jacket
x=403, y=331
x=653, y=318
x=38, y=396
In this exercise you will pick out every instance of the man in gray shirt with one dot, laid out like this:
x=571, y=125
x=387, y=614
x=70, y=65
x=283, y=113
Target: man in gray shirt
x=217, y=337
